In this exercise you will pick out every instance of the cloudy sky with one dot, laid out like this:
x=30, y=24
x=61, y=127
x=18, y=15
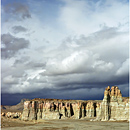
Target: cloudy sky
x=65, y=49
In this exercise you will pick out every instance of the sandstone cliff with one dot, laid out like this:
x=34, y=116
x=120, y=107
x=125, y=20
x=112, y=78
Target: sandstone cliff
x=112, y=107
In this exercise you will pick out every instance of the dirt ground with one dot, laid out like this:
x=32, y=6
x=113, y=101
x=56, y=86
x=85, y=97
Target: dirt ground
x=9, y=110
x=64, y=124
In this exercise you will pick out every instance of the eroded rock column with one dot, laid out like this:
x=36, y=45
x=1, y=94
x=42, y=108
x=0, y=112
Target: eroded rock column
x=33, y=114
x=40, y=110
x=105, y=105
x=25, y=114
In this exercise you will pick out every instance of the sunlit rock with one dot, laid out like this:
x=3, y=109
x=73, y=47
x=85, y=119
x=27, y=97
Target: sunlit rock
x=113, y=107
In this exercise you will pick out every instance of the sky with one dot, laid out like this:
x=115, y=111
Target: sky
x=63, y=49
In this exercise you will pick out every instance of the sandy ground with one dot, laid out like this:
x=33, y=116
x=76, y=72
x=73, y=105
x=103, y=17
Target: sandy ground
x=64, y=124
x=9, y=110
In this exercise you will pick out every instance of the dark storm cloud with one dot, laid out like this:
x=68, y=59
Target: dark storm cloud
x=8, y=99
x=77, y=94
x=18, y=9
x=10, y=45
x=78, y=81
x=18, y=29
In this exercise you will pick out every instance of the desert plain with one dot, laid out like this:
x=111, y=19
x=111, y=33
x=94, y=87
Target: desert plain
x=62, y=124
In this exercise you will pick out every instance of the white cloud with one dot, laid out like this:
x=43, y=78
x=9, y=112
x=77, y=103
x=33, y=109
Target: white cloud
x=34, y=74
x=85, y=17
x=124, y=68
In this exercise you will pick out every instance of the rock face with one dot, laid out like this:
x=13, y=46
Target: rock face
x=113, y=107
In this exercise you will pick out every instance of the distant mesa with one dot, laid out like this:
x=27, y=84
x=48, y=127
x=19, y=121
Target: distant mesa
x=3, y=107
x=19, y=106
